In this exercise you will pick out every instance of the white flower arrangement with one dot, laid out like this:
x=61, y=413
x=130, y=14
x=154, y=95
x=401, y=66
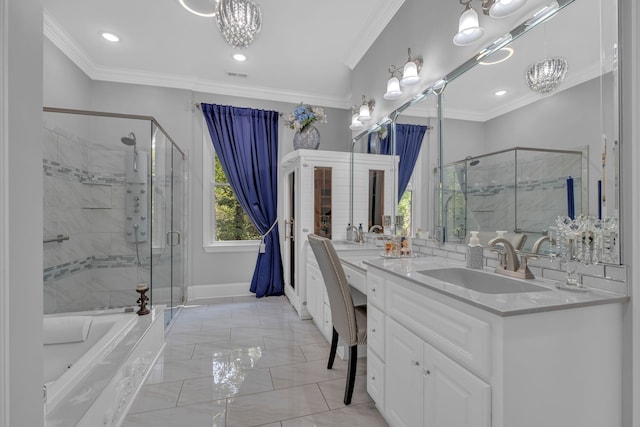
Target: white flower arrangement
x=304, y=115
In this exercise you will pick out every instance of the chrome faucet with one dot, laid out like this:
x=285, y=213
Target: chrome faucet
x=538, y=243
x=510, y=265
x=375, y=227
x=358, y=236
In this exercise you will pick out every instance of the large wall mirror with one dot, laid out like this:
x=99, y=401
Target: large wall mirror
x=516, y=157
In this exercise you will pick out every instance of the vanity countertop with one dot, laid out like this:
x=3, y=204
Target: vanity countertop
x=500, y=304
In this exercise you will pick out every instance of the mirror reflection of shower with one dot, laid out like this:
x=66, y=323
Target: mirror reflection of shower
x=136, y=195
x=130, y=140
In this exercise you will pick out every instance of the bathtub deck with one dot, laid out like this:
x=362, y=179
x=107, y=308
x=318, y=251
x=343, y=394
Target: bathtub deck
x=104, y=394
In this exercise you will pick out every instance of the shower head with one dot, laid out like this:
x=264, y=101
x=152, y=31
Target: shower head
x=474, y=162
x=129, y=140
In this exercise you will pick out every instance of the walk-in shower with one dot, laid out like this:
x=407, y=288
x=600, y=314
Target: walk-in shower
x=114, y=186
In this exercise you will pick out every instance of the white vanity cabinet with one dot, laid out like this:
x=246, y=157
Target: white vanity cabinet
x=426, y=388
x=445, y=362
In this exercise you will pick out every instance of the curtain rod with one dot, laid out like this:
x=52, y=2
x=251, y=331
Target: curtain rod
x=197, y=105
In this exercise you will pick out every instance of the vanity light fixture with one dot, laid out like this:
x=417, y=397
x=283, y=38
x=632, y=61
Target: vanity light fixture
x=409, y=76
x=355, y=123
x=364, y=113
x=469, y=29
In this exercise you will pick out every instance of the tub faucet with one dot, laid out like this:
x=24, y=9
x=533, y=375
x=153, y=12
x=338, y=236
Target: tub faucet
x=509, y=263
x=375, y=227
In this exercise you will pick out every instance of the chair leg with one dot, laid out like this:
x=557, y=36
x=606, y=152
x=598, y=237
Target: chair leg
x=351, y=373
x=334, y=347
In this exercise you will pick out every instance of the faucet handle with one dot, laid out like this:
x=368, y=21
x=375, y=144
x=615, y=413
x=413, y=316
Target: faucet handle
x=524, y=268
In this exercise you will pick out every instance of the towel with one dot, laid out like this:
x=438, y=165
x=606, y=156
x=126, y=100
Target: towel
x=65, y=329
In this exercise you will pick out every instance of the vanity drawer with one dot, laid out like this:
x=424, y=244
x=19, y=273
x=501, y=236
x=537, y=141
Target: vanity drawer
x=376, y=291
x=355, y=278
x=375, y=380
x=462, y=337
x=375, y=331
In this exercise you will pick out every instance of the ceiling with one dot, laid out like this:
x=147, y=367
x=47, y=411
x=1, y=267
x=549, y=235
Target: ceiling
x=305, y=50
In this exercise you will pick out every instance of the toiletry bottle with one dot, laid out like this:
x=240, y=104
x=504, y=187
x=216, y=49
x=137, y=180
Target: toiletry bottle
x=349, y=233
x=360, y=234
x=474, y=252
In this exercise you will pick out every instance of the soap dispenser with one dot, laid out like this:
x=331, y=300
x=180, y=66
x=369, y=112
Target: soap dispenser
x=474, y=252
x=349, y=233
x=360, y=234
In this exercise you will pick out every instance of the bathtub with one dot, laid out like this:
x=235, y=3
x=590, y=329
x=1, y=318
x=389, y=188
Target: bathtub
x=93, y=382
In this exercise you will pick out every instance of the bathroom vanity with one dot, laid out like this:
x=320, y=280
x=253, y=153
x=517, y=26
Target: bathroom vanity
x=441, y=354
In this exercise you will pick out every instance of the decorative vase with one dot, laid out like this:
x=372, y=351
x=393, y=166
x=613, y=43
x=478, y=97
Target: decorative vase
x=307, y=138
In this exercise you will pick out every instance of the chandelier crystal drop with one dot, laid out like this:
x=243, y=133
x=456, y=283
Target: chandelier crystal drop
x=545, y=76
x=239, y=21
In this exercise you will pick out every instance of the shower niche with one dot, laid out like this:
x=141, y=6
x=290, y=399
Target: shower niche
x=115, y=186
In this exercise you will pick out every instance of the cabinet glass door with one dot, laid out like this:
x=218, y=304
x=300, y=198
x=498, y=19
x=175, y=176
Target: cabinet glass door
x=322, y=201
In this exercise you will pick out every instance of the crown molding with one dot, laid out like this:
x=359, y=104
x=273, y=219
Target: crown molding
x=370, y=32
x=117, y=75
x=58, y=37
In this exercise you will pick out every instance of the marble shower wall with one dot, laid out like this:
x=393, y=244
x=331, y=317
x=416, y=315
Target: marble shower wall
x=529, y=197
x=84, y=199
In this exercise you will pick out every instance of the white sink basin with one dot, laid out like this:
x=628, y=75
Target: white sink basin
x=480, y=281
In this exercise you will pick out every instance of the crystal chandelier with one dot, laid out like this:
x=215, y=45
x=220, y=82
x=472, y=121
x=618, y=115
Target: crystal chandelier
x=545, y=76
x=239, y=21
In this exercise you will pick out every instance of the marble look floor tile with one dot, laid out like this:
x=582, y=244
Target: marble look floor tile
x=259, y=357
x=333, y=391
x=230, y=380
x=203, y=336
x=156, y=396
x=271, y=406
x=177, y=352
x=244, y=332
x=174, y=370
x=225, y=348
x=231, y=322
x=210, y=414
x=353, y=416
x=316, y=351
x=271, y=425
x=307, y=373
x=293, y=338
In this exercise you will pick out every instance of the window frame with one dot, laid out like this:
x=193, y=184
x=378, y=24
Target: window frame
x=209, y=243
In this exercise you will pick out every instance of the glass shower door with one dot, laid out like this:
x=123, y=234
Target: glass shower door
x=175, y=236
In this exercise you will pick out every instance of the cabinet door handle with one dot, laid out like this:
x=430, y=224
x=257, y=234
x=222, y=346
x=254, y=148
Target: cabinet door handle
x=427, y=372
x=373, y=289
x=373, y=330
x=373, y=378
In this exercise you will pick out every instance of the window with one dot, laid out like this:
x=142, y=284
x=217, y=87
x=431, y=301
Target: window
x=225, y=223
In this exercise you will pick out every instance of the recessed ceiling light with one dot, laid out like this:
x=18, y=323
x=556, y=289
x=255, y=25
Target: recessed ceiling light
x=111, y=37
x=500, y=92
x=202, y=10
x=499, y=56
x=239, y=57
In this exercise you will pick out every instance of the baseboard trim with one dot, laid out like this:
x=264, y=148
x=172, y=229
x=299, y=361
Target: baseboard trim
x=223, y=290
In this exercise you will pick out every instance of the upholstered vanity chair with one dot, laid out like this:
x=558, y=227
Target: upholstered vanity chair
x=349, y=321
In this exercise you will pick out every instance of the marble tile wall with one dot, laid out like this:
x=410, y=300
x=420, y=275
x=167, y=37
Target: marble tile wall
x=84, y=199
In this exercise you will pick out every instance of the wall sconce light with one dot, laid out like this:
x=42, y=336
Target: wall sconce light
x=469, y=30
x=364, y=113
x=355, y=123
x=409, y=76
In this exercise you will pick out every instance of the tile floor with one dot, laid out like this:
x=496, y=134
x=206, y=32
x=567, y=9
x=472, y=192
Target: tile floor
x=239, y=362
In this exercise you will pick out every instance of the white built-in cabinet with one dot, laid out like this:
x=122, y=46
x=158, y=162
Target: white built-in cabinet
x=437, y=361
x=317, y=198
